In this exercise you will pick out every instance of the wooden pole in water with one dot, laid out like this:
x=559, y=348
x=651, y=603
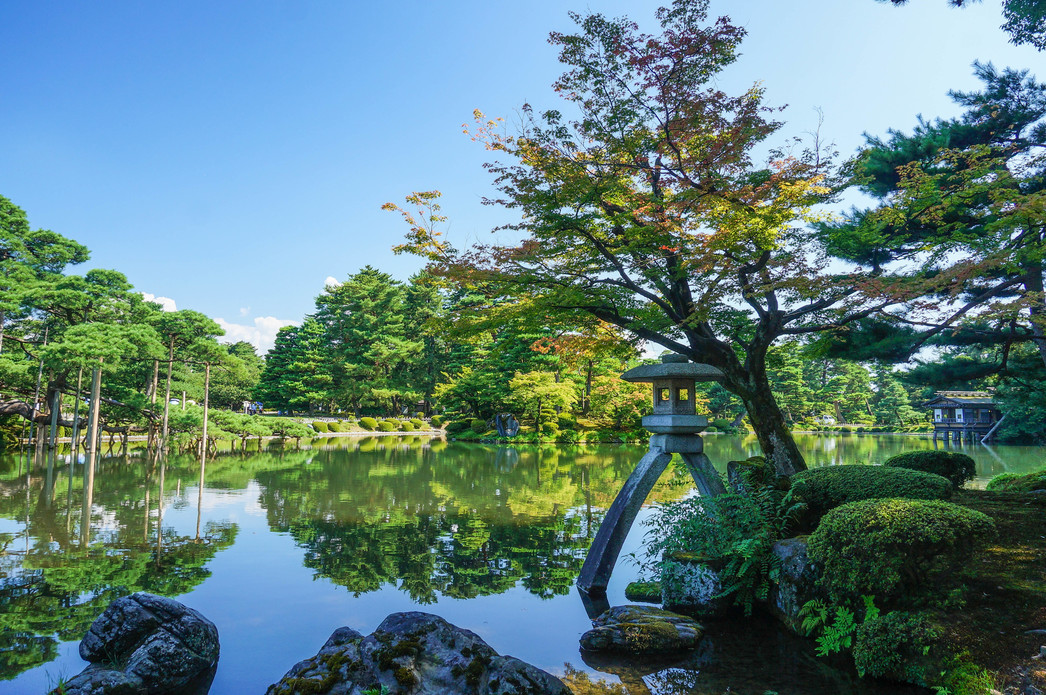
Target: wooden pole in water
x=92, y=421
x=75, y=445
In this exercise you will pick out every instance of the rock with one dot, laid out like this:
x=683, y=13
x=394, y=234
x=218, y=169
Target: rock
x=145, y=644
x=644, y=592
x=641, y=630
x=690, y=585
x=796, y=583
x=416, y=653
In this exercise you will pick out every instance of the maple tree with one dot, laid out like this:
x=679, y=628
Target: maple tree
x=645, y=208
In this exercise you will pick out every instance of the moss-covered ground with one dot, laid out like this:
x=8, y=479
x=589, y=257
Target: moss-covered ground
x=1006, y=598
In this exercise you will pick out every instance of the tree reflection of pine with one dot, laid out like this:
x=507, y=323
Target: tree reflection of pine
x=52, y=590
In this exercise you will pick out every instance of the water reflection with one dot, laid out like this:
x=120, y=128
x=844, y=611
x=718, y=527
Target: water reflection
x=377, y=517
x=68, y=567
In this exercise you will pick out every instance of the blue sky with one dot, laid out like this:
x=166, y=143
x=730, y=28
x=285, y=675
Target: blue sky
x=232, y=156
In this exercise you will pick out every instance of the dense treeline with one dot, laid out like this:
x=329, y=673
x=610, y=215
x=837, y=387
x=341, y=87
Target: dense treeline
x=62, y=333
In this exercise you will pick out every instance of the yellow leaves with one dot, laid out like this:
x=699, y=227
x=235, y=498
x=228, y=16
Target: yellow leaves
x=423, y=237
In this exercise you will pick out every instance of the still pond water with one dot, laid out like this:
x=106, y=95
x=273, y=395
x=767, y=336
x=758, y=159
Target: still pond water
x=280, y=547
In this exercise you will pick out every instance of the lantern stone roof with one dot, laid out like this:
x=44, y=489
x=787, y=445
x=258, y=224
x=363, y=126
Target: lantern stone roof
x=673, y=367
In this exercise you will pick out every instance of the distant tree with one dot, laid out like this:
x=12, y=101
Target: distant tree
x=297, y=374
x=539, y=393
x=364, y=319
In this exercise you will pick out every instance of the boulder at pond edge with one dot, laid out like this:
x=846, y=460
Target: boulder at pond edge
x=416, y=653
x=641, y=630
x=146, y=645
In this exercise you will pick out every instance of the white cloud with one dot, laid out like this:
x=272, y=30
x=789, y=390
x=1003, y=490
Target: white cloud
x=261, y=335
x=166, y=302
x=244, y=310
x=331, y=281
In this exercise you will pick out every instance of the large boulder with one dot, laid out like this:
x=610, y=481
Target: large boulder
x=146, y=645
x=641, y=630
x=690, y=584
x=796, y=582
x=416, y=653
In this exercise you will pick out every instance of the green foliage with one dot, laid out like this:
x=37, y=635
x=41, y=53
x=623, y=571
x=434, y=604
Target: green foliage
x=457, y=426
x=725, y=426
x=406, y=426
x=478, y=425
x=419, y=424
x=1015, y=482
x=823, y=489
x=901, y=551
x=320, y=426
x=388, y=426
x=897, y=646
x=956, y=467
x=335, y=426
x=368, y=423
x=437, y=421
x=739, y=529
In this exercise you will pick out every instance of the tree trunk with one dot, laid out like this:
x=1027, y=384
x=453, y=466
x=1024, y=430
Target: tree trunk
x=1034, y=285
x=167, y=397
x=775, y=438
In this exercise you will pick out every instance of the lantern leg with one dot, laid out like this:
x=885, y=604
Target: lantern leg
x=705, y=476
x=606, y=546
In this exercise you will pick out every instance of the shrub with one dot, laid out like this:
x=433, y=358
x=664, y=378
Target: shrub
x=368, y=423
x=824, y=489
x=437, y=421
x=567, y=422
x=457, y=427
x=739, y=530
x=478, y=425
x=897, y=646
x=334, y=426
x=406, y=426
x=418, y=424
x=956, y=467
x=893, y=548
x=388, y=426
x=568, y=437
x=320, y=426
x=724, y=425
x=1014, y=482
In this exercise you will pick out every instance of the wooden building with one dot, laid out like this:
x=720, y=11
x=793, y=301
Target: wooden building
x=964, y=416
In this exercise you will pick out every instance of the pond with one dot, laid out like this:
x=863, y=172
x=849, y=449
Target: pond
x=282, y=546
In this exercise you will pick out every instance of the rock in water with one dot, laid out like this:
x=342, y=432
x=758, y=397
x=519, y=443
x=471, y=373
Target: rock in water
x=415, y=653
x=796, y=583
x=641, y=630
x=145, y=644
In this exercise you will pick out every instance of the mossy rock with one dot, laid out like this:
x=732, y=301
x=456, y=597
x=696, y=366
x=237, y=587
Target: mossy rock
x=641, y=630
x=645, y=592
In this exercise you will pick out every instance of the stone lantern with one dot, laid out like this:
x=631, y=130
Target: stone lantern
x=675, y=425
x=673, y=381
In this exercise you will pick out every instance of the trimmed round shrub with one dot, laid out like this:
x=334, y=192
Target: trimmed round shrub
x=320, y=426
x=897, y=646
x=894, y=549
x=456, y=427
x=824, y=489
x=956, y=467
x=418, y=424
x=567, y=422
x=334, y=426
x=406, y=426
x=1015, y=482
x=437, y=421
x=478, y=425
x=368, y=423
x=388, y=426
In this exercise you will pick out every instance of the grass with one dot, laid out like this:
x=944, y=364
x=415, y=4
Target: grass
x=1006, y=590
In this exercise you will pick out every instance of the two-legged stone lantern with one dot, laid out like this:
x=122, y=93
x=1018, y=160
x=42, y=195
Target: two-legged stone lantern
x=675, y=425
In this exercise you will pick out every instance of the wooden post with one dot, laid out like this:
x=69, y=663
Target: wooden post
x=167, y=396
x=92, y=447
x=75, y=444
